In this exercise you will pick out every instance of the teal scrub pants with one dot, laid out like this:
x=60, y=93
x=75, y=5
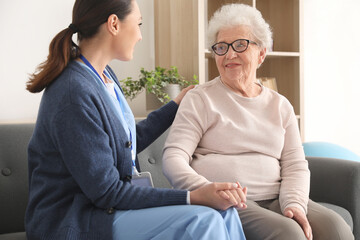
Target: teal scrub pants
x=178, y=223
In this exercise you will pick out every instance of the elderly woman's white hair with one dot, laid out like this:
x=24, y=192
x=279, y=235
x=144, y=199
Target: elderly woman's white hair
x=240, y=14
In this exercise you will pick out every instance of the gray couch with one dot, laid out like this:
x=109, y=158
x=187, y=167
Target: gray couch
x=334, y=182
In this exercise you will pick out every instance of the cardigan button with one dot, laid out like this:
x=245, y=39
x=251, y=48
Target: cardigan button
x=110, y=210
x=128, y=144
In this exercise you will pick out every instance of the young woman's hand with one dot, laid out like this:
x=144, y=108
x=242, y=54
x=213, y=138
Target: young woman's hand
x=214, y=195
x=237, y=195
x=182, y=94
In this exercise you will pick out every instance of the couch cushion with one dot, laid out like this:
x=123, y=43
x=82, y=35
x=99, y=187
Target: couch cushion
x=150, y=160
x=13, y=236
x=14, y=139
x=341, y=211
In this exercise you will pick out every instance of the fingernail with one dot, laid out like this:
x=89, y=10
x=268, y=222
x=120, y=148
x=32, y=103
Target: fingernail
x=235, y=185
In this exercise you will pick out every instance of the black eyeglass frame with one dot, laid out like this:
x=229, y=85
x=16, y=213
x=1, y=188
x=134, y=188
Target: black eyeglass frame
x=231, y=44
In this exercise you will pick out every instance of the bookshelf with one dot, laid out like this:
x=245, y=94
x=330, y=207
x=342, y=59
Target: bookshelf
x=180, y=39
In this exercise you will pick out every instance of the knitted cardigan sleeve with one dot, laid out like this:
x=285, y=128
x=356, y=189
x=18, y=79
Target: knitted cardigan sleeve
x=94, y=153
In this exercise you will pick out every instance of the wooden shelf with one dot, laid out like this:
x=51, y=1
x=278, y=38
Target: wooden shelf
x=209, y=54
x=180, y=27
x=283, y=54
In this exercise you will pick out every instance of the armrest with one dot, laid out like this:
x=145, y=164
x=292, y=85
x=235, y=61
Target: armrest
x=336, y=181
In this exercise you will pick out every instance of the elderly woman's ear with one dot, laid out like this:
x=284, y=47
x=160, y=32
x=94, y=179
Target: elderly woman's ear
x=262, y=55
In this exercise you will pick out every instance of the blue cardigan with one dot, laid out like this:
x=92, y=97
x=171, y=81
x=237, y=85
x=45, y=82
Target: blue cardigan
x=80, y=162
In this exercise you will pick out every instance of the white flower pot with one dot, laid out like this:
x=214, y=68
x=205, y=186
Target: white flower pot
x=172, y=90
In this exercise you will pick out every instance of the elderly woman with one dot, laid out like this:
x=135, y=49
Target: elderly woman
x=234, y=129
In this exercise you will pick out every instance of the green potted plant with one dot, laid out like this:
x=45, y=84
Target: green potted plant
x=156, y=82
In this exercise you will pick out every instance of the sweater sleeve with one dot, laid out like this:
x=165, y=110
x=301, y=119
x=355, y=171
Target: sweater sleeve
x=83, y=143
x=157, y=122
x=184, y=136
x=295, y=175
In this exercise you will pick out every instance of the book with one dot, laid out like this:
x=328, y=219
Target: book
x=268, y=82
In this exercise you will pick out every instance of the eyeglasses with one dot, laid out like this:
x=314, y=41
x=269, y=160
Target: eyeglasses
x=239, y=45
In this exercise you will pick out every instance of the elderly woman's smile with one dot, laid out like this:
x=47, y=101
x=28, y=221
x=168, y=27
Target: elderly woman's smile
x=237, y=66
x=232, y=65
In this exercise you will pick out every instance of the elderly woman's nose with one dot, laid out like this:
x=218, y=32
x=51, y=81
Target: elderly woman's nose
x=231, y=53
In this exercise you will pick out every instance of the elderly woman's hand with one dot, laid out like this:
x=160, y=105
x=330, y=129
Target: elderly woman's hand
x=236, y=196
x=210, y=195
x=182, y=94
x=300, y=217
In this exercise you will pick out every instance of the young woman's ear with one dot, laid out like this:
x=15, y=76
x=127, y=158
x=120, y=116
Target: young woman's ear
x=113, y=24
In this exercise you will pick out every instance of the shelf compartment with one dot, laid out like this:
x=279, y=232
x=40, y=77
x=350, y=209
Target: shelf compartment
x=283, y=17
x=286, y=71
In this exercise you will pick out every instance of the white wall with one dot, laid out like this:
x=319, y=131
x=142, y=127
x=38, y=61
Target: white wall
x=331, y=72
x=331, y=58
x=27, y=27
x=26, y=31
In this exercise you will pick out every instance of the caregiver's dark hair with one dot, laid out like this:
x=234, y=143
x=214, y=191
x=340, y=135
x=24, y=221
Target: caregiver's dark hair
x=87, y=17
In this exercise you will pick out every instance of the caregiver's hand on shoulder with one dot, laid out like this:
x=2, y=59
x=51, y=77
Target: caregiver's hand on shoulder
x=181, y=95
x=209, y=195
x=300, y=217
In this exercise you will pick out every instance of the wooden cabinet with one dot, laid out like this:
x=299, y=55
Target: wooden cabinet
x=180, y=35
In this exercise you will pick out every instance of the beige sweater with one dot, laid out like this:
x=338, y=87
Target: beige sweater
x=220, y=136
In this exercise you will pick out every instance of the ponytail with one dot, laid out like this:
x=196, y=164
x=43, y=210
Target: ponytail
x=88, y=15
x=61, y=50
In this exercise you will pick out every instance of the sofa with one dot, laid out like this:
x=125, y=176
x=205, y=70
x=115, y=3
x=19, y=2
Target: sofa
x=334, y=182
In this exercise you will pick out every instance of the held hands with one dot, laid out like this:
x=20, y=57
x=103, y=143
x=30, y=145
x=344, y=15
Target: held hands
x=219, y=195
x=182, y=94
x=300, y=217
x=236, y=196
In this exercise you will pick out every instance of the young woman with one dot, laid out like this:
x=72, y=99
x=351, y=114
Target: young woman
x=82, y=152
